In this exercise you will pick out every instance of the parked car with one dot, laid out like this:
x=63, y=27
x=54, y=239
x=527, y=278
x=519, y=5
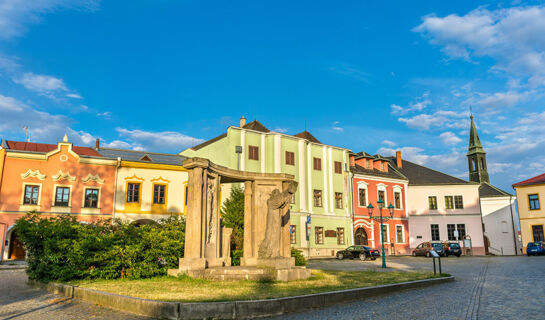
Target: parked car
x=424, y=249
x=535, y=248
x=452, y=249
x=361, y=252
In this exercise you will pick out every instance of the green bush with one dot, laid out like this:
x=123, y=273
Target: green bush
x=299, y=258
x=235, y=257
x=62, y=248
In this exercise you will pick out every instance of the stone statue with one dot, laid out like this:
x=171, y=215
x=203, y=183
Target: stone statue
x=276, y=205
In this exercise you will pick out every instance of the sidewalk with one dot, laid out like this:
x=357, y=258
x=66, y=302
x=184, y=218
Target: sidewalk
x=13, y=265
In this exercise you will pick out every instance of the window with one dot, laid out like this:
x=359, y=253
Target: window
x=385, y=233
x=381, y=196
x=400, y=237
x=461, y=231
x=159, y=193
x=133, y=192
x=382, y=166
x=317, y=198
x=434, y=232
x=319, y=231
x=31, y=194
x=62, y=197
x=449, y=203
x=368, y=163
x=533, y=199
x=432, y=200
x=340, y=235
x=253, y=153
x=537, y=232
x=361, y=197
x=290, y=158
x=91, y=198
x=293, y=234
x=338, y=200
x=450, y=232
x=317, y=164
x=458, y=202
x=338, y=167
x=397, y=200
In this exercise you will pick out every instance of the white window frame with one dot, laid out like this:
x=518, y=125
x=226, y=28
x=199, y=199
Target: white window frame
x=54, y=197
x=363, y=185
x=83, y=197
x=387, y=240
x=400, y=190
x=383, y=187
x=402, y=232
x=30, y=207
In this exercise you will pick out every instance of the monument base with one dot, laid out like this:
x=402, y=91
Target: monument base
x=255, y=273
x=196, y=267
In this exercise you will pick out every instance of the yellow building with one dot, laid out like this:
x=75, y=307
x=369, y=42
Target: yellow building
x=530, y=194
x=149, y=186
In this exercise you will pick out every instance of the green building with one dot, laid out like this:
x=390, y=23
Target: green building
x=323, y=193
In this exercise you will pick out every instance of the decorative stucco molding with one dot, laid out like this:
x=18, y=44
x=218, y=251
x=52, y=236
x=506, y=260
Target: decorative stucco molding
x=160, y=179
x=61, y=175
x=134, y=177
x=91, y=177
x=31, y=173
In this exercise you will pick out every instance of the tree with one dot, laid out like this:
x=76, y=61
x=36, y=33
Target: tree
x=232, y=212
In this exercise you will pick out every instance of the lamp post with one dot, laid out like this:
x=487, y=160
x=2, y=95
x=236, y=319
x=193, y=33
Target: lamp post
x=382, y=219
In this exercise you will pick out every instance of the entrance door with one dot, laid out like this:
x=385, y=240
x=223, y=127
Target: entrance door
x=16, y=248
x=361, y=237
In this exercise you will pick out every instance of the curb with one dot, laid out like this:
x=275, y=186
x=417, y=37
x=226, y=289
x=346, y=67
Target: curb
x=229, y=309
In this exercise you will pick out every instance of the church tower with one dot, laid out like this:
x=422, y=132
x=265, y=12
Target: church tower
x=476, y=157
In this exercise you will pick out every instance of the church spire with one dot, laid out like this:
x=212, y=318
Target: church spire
x=476, y=156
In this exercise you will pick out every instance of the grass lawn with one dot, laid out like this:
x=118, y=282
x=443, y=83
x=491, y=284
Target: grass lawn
x=185, y=289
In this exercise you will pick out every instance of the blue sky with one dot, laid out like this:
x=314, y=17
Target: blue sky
x=163, y=75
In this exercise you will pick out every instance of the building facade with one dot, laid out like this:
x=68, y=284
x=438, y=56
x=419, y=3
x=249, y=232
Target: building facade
x=52, y=180
x=374, y=178
x=321, y=171
x=441, y=207
x=497, y=206
x=149, y=186
x=530, y=192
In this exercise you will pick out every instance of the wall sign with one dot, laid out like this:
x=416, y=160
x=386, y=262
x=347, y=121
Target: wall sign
x=331, y=233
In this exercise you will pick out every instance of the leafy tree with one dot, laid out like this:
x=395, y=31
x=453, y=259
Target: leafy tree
x=232, y=212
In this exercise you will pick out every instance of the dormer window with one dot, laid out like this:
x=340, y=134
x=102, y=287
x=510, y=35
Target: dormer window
x=381, y=166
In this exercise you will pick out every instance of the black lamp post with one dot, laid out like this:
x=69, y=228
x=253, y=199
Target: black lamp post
x=382, y=219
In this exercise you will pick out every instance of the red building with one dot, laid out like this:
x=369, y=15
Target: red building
x=374, y=178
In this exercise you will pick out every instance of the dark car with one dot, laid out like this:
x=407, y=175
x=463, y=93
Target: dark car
x=535, y=248
x=361, y=252
x=424, y=249
x=452, y=249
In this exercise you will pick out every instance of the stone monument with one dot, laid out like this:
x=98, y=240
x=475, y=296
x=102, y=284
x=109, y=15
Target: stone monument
x=267, y=251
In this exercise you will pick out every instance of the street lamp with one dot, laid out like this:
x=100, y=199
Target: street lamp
x=382, y=219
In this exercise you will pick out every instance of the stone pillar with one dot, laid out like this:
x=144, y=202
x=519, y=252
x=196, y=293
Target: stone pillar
x=248, y=241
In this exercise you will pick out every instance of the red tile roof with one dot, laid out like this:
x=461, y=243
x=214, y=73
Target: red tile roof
x=535, y=180
x=307, y=135
x=45, y=148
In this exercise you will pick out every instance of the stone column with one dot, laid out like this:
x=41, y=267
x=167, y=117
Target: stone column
x=248, y=241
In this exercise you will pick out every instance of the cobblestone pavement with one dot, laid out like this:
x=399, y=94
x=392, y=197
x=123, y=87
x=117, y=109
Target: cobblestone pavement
x=485, y=288
x=19, y=301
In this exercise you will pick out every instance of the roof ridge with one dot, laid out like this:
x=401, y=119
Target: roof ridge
x=461, y=180
x=143, y=151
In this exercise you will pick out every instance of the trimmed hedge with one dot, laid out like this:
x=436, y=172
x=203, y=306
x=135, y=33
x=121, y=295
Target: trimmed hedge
x=61, y=248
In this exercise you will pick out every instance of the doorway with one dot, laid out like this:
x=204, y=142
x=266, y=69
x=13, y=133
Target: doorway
x=360, y=237
x=16, y=248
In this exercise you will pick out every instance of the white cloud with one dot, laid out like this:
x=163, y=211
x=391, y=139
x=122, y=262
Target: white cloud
x=450, y=138
x=439, y=119
x=118, y=144
x=418, y=105
x=15, y=15
x=389, y=143
x=158, y=141
x=106, y=115
x=513, y=37
x=335, y=126
x=40, y=83
x=74, y=96
x=281, y=130
x=453, y=162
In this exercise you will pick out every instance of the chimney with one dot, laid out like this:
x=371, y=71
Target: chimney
x=242, y=121
x=352, y=160
x=97, y=144
x=398, y=159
